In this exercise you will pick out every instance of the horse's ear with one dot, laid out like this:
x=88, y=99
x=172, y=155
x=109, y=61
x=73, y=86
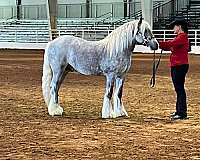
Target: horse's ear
x=140, y=22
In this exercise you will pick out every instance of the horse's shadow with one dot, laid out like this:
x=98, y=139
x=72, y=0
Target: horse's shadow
x=133, y=118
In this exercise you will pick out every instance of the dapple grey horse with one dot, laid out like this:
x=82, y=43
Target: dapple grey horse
x=110, y=57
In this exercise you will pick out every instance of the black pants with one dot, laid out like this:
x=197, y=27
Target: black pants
x=178, y=74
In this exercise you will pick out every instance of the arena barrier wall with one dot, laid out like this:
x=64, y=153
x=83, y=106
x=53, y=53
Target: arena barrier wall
x=138, y=48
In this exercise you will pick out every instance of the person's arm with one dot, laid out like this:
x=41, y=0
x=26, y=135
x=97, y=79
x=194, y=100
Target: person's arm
x=166, y=45
x=163, y=45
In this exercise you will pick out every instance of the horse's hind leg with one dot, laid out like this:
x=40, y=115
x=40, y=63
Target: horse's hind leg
x=119, y=109
x=65, y=70
x=54, y=108
x=107, y=111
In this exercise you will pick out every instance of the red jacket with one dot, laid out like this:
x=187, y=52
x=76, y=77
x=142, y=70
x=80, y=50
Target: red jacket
x=179, y=47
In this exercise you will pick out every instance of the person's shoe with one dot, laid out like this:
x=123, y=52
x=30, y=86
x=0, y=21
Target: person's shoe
x=176, y=117
x=173, y=114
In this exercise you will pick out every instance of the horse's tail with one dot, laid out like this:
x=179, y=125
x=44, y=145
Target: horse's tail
x=46, y=77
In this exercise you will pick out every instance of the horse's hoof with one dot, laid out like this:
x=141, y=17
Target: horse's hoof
x=58, y=111
x=105, y=116
x=113, y=115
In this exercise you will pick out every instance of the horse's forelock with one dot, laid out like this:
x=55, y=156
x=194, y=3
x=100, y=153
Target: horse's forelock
x=148, y=29
x=144, y=26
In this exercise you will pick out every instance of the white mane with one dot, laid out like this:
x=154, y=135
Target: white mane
x=122, y=37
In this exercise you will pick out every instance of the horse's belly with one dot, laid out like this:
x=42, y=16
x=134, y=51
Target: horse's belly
x=90, y=71
x=117, y=67
x=87, y=69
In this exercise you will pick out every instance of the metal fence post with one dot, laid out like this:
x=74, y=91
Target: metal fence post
x=195, y=38
x=36, y=36
x=164, y=35
x=15, y=35
x=83, y=34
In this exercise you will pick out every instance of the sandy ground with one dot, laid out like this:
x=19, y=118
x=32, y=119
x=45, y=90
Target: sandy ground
x=28, y=132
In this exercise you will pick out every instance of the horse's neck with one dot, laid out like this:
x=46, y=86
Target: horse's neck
x=131, y=46
x=116, y=44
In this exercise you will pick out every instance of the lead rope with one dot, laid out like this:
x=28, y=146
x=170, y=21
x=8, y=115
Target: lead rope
x=154, y=69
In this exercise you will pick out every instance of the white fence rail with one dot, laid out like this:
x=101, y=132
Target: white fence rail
x=38, y=38
x=194, y=36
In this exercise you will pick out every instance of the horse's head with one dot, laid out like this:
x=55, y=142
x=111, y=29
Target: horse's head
x=145, y=36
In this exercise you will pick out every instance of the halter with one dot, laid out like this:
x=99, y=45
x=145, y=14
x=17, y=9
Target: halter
x=154, y=69
x=145, y=39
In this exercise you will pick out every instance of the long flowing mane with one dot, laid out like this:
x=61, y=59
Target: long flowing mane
x=120, y=38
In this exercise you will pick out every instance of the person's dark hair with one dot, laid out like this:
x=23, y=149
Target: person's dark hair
x=180, y=21
x=184, y=27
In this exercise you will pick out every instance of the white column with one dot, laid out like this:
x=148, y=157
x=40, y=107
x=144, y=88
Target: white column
x=147, y=11
x=52, y=18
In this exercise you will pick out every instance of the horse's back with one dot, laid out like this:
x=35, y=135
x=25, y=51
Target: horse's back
x=82, y=55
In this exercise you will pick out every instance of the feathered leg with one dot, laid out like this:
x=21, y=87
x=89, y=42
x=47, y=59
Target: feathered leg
x=54, y=108
x=107, y=110
x=119, y=109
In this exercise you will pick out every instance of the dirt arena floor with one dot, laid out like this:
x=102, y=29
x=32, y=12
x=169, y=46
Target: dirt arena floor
x=28, y=132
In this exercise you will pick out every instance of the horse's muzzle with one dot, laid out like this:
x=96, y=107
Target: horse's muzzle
x=153, y=44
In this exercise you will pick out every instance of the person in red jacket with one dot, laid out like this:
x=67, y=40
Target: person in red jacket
x=179, y=64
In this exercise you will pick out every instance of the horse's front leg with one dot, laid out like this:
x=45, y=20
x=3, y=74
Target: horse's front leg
x=119, y=109
x=54, y=108
x=107, y=110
